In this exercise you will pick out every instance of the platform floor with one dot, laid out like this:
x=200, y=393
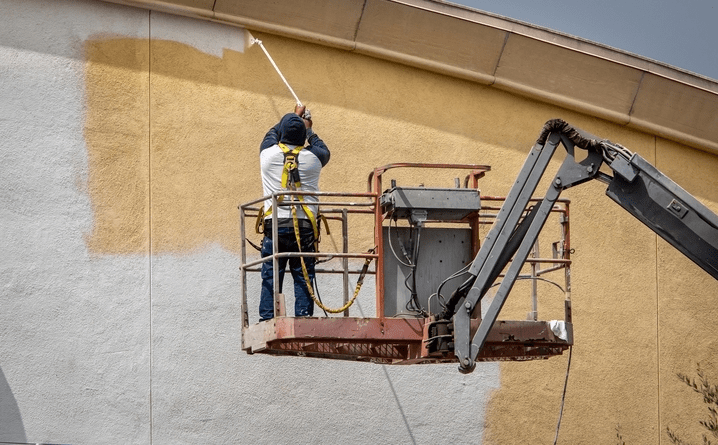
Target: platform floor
x=396, y=340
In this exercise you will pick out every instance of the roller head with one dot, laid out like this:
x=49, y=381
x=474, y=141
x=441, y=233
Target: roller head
x=249, y=38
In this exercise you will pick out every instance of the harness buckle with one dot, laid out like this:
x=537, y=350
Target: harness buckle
x=290, y=163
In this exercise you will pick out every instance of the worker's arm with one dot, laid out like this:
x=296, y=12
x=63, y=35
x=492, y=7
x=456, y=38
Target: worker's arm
x=316, y=145
x=271, y=138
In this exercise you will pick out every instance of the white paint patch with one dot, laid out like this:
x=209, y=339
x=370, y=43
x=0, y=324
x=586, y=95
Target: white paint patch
x=75, y=327
x=208, y=37
x=59, y=28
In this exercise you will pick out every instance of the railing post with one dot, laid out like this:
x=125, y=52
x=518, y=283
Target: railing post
x=379, y=240
x=243, y=270
x=565, y=227
x=279, y=309
x=533, y=315
x=345, y=260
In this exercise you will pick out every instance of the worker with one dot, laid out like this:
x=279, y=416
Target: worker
x=282, y=142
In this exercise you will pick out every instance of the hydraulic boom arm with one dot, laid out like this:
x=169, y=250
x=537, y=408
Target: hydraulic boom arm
x=636, y=185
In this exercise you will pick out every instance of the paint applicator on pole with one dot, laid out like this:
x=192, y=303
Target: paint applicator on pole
x=253, y=41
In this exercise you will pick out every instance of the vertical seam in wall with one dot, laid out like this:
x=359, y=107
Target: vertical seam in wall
x=633, y=102
x=658, y=319
x=356, y=29
x=501, y=54
x=149, y=194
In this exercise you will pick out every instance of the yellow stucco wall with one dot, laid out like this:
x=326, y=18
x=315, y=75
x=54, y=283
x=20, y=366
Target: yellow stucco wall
x=173, y=135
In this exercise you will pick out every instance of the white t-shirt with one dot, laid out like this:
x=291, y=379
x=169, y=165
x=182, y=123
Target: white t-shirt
x=272, y=164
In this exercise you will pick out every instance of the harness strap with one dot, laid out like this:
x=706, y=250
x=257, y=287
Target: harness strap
x=290, y=172
x=259, y=222
x=292, y=181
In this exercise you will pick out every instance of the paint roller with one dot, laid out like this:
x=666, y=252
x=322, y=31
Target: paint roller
x=253, y=41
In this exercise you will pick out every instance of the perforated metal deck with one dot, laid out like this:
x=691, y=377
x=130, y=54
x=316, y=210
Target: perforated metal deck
x=394, y=340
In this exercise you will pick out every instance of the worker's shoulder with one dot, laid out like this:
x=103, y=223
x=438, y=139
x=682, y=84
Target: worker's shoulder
x=270, y=150
x=318, y=149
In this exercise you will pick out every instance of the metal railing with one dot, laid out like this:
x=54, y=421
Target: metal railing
x=338, y=206
x=560, y=258
x=337, y=209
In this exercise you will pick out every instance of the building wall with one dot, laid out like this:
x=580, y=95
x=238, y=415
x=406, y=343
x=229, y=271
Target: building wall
x=128, y=139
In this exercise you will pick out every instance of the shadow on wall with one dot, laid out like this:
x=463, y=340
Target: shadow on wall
x=11, y=427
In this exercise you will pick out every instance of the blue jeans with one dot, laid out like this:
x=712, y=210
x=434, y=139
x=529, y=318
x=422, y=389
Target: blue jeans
x=303, y=303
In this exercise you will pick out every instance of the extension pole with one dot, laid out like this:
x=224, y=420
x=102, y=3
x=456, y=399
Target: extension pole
x=259, y=42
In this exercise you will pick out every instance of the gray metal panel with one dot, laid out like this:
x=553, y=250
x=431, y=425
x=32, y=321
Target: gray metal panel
x=440, y=204
x=442, y=251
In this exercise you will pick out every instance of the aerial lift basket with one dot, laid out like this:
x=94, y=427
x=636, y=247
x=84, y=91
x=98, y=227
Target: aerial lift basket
x=443, y=225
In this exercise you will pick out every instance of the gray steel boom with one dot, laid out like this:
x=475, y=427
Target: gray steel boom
x=636, y=185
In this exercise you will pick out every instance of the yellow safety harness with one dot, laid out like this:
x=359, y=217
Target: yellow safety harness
x=292, y=181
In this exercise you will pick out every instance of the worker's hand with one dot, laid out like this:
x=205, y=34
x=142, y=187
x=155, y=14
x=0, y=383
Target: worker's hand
x=299, y=109
x=307, y=118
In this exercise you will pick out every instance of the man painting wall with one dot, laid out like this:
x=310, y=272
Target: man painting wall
x=287, y=165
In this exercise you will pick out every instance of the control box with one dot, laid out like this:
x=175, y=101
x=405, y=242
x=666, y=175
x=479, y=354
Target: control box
x=453, y=204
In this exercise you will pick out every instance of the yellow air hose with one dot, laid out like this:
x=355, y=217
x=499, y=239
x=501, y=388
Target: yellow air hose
x=309, y=282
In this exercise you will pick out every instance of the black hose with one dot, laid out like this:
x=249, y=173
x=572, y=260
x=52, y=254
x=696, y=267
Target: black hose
x=581, y=138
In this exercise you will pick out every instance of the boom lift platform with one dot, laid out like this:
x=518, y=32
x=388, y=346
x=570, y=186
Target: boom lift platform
x=426, y=238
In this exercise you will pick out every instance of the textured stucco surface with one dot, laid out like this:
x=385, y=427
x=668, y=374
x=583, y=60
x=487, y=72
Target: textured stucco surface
x=127, y=139
x=74, y=325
